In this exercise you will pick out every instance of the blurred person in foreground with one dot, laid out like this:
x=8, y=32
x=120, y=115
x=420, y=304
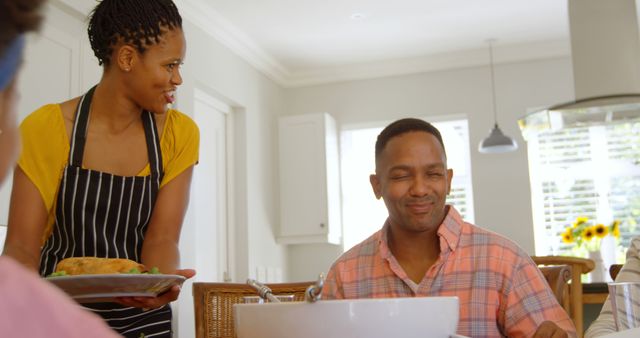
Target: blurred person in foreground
x=425, y=248
x=107, y=174
x=29, y=306
x=630, y=272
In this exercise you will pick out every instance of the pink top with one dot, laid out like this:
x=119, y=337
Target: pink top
x=31, y=307
x=500, y=289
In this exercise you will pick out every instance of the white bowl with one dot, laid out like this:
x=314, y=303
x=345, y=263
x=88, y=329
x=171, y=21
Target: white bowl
x=434, y=317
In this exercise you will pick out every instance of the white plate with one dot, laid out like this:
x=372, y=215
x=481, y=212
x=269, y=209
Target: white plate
x=104, y=288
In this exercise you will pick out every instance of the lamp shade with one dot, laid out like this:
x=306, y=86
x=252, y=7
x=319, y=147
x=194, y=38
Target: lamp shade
x=497, y=142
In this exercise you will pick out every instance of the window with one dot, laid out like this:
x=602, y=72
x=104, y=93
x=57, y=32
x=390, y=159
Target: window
x=362, y=213
x=587, y=171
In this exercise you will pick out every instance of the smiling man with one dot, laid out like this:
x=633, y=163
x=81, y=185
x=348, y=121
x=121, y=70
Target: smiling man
x=426, y=249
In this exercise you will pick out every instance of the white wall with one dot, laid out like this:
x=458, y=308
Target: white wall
x=256, y=102
x=500, y=181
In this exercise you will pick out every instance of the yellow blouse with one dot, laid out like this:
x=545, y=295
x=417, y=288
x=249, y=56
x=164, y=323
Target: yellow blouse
x=45, y=151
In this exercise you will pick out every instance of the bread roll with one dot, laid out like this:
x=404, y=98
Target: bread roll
x=97, y=265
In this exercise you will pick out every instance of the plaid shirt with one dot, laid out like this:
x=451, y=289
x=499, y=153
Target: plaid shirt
x=500, y=289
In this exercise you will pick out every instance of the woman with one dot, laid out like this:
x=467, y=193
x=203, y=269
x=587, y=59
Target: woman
x=630, y=272
x=30, y=306
x=107, y=174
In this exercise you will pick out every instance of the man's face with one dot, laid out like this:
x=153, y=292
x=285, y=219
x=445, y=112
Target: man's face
x=413, y=180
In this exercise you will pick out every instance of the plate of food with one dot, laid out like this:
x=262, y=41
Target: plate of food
x=92, y=279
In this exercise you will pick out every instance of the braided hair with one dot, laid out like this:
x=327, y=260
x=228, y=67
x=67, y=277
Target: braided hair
x=137, y=22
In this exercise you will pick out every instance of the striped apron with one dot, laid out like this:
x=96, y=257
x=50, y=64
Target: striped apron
x=103, y=215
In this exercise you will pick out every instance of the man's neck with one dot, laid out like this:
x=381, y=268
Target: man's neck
x=416, y=252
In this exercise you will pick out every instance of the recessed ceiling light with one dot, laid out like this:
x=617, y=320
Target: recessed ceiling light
x=357, y=16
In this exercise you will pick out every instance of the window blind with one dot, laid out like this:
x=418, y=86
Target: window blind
x=591, y=171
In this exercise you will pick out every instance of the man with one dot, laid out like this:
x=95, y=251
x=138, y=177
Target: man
x=426, y=249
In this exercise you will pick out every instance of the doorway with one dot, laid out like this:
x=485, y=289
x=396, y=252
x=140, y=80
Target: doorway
x=209, y=189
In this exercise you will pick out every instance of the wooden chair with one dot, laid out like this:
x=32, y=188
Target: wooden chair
x=213, y=304
x=558, y=277
x=578, y=266
x=614, y=269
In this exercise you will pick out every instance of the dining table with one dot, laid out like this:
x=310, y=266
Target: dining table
x=594, y=293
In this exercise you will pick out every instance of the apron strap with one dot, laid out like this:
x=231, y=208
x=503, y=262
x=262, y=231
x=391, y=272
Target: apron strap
x=153, y=145
x=79, y=137
x=79, y=134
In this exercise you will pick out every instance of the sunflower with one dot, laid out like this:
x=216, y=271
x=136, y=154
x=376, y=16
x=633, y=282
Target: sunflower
x=615, y=229
x=588, y=233
x=579, y=221
x=584, y=234
x=567, y=236
x=601, y=230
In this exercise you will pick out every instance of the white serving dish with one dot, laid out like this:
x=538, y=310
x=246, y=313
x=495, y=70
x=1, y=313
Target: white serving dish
x=107, y=287
x=434, y=317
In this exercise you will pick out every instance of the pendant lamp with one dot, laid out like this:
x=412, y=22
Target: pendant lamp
x=497, y=141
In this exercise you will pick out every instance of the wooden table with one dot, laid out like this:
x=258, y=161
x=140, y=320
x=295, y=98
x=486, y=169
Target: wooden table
x=594, y=293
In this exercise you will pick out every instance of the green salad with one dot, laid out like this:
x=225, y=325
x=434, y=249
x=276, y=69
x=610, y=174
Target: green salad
x=153, y=271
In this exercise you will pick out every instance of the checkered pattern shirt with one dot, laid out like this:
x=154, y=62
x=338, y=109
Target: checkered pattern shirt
x=500, y=289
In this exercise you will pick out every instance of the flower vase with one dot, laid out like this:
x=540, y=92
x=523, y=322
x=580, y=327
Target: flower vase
x=599, y=272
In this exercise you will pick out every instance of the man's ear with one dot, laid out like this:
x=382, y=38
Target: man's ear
x=375, y=185
x=449, y=178
x=126, y=57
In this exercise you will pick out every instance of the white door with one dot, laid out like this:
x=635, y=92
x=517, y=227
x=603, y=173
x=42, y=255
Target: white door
x=209, y=189
x=204, y=242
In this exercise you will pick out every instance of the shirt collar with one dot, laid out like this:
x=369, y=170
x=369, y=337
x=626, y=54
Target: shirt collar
x=450, y=230
x=383, y=243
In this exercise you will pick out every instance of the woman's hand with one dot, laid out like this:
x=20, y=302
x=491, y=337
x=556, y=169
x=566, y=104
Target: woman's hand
x=160, y=300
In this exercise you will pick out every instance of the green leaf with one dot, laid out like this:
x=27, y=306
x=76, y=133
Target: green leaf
x=58, y=274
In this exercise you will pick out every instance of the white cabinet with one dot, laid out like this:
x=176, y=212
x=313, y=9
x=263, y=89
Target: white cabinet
x=309, y=180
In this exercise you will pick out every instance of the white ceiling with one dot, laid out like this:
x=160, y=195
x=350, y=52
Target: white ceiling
x=302, y=42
